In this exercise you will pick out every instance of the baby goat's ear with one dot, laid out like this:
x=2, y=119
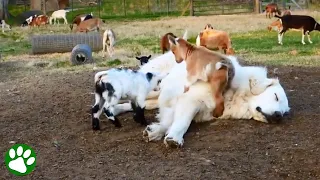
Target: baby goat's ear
x=149, y=76
x=220, y=65
x=172, y=41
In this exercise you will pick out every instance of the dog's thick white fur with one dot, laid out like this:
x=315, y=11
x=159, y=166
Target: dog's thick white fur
x=252, y=96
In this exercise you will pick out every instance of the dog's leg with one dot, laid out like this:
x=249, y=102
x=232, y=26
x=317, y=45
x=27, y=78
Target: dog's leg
x=302, y=39
x=185, y=111
x=309, y=39
x=157, y=130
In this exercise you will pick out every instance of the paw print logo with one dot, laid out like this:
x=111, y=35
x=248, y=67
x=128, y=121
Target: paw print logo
x=20, y=159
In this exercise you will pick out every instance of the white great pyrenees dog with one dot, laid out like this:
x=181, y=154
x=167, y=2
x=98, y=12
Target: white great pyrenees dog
x=252, y=95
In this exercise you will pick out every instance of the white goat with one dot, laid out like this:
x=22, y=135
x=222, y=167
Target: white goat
x=108, y=41
x=116, y=84
x=4, y=25
x=59, y=14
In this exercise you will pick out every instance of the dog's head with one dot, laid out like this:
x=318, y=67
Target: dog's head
x=271, y=103
x=143, y=59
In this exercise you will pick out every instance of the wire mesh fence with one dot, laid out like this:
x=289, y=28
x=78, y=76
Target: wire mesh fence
x=107, y=9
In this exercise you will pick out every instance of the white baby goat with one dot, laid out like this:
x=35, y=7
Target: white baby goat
x=116, y=84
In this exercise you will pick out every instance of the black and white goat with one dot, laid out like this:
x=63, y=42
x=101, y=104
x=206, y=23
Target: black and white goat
x=115, y=84
x=307, y=24
x=143, y=59
x=28, y=20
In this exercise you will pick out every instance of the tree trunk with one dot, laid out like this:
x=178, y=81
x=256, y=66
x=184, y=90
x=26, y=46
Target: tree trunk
x=35, y=5
x=4, y=13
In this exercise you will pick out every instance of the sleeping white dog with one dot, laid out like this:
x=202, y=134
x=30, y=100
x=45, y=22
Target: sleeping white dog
x=252, y=95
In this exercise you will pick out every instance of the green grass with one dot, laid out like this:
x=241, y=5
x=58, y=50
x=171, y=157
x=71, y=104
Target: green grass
x=256, y=46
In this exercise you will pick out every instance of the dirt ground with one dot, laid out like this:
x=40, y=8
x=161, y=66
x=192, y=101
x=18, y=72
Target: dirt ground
x=40, y=107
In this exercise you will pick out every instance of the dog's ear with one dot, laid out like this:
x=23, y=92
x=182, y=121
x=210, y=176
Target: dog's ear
x=138, y=58
x=149, y=56
x=257, y=87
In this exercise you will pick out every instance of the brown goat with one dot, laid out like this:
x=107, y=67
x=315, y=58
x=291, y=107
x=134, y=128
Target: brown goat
x=203, y=64
x=272, y=8
x=213, y=39
x=164, y=44
x=286, y=12
x=89, y=25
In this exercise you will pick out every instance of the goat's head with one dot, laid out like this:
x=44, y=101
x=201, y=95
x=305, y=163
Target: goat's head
x=155, y=79
x=230, y=51
x=208, y=26
x=143, y=59
x=180, y=48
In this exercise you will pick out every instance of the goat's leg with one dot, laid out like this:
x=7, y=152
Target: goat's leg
x=96, y=111
x=138, y=108
x=280, y=35
x=65, y=20
x=191, y=79
x=309, y=39
x=303, y=34
x=110, y=114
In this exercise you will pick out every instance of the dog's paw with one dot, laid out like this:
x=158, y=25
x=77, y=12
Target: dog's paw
x=173, y=142
x=153, y=132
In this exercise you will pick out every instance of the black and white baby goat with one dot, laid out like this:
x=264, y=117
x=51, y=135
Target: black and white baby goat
x=143, y=59
x=116, y=84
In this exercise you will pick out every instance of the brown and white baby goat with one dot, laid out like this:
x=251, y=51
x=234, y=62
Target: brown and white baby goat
x=89, y=25
x=203, y=64
x=305, y=23
x=213, y=39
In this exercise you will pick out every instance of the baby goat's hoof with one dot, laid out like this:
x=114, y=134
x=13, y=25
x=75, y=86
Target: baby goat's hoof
x=95, y=124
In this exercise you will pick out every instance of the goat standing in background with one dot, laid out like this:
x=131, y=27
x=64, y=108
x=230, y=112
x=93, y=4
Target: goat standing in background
x=4, y=25
x=272, y=8
x=307, y=24
x=79, y=18
x=108, y=41
x=59, y=14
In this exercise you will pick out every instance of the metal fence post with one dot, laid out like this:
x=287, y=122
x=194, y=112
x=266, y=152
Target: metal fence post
x=191, y=8
x=167, y=7
x=124, y=7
